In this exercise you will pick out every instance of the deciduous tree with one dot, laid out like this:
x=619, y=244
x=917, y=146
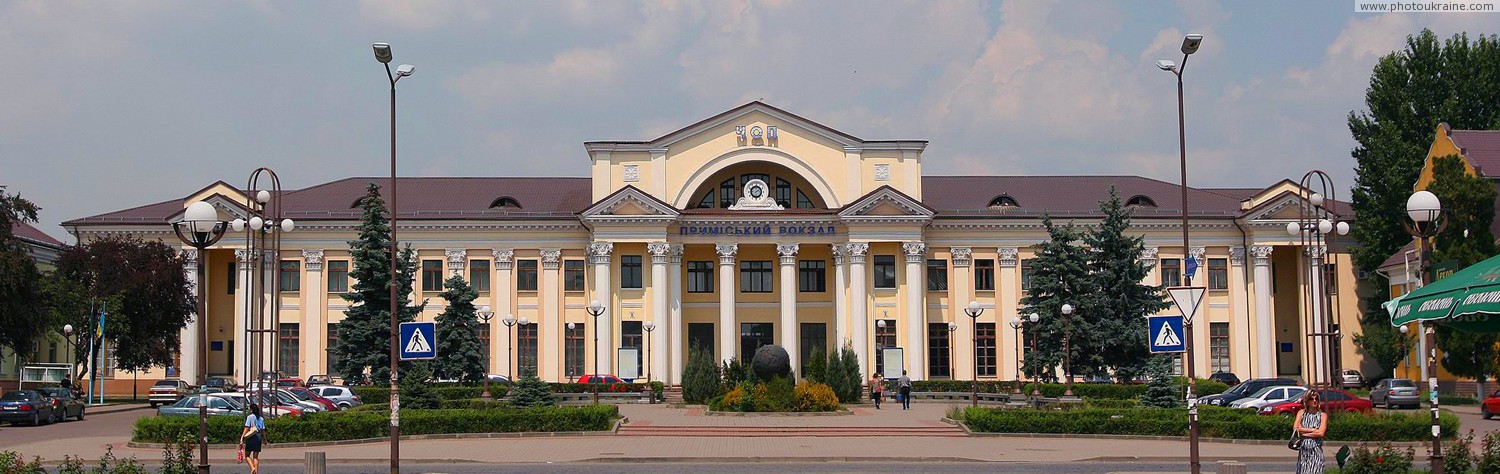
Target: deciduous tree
x=142, y=288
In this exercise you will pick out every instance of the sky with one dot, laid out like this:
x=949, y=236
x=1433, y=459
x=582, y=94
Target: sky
x=110, y=105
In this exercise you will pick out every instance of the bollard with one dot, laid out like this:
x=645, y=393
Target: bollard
x=1232, y=467
x=316, y=462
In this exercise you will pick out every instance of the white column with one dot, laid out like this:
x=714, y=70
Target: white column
x=313, y=318
x=1007, y=285
x=500, y=303
x=859, y=304
x=191, y=335
x=550, y=364
x=1319, y=372
x=659, y=253
x=244, y=301
x=961, y=289
x=675, y=331
x=840, y=307
x=727, y=290
x=599, y=255
x=916, y=310
x=788, y=254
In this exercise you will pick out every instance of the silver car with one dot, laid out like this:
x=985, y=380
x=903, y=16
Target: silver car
x=217, y=406
x=1391, y=393
x=341, y=396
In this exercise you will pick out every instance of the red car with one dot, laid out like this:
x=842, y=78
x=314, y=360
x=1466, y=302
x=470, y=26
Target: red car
x=606, y=379
x=308, y=395
x=1491, y=406
x=1333, y=400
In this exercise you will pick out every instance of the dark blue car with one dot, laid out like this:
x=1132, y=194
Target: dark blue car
x=26, y=406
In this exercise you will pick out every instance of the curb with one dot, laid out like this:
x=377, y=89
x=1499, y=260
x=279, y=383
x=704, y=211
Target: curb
x=840, y=412
x=347, y=442
x=777, y=459
x=1255, y=442
x=107, y=409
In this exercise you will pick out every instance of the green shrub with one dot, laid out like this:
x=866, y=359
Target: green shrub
x=363, y=425
x=843, y=375
x=1458, y=456
x=12, y=462
x=1160, y=391
x=1214, y=422
x=382, y=394
x=985, y=386
x=700, y=377
x=735, y=371
x=778, y=395
x=416, y=392
x=1110, y=390
x=1452, y=399
x=813, y=396
x=1111, y=403
x=1384, y=459
x=817, y=366
x=531, y=391
x=1488, y=459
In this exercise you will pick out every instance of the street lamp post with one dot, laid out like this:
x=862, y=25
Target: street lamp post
x=485, y=313
x=596, y=309
x=649, y=326
x=974, y=311
x=1036, y=386
x=263, y=242
x=1015, y=326
x=1067, y=312
x=383, y=54
x=879, y=325
x=510, y=363
x=200, y=228
x=1190, y=44
x=1427, y=220
x=68, y=336
x=952, y=329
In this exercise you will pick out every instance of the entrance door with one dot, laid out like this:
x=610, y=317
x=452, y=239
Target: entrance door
x=700, y=336
x=814, y=338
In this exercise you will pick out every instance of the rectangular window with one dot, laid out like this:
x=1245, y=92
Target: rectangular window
x=884, y=337
x=1218, y=273
x=573, y=278
x=432, y=275
x=937, y=275
x=630, y=271
x=984, y=274
x=726, y=193
x=752, y=336
x=755, y=276
x=338, y=276
x=814, y=339
x=812, y=276
x=233, y=278
x=333, y=358
x=885, y=271
x=701, y=336
x=573, y=350
x=1026, y=272
x=700, y=277
x=526, y=348
x=938, y=351
x=291, y=276
x=630, y=336
x=984, y=352
x=1218, y=347
x=479, y=275
x=1331, y=278
x=1171, y=272
x=288, y=349
x=526, y=275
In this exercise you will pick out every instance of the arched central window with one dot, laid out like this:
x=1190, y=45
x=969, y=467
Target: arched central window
x=789, y=190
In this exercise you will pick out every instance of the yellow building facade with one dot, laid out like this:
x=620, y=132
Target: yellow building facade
x=756, y=226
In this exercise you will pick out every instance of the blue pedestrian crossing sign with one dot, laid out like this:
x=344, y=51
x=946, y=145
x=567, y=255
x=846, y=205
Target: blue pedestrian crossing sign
x=418, y=340
x=1166, y=334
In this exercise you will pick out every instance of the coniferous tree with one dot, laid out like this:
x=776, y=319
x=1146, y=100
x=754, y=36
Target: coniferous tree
x=459, y=353
x=416, y=388
x=700, y=377
x=1061, y=276
x=1161, y=390
x=1119, y=273
x=530, y=392
x=364, y=341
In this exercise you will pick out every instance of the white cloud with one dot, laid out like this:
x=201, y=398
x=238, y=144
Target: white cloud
x=423, y=14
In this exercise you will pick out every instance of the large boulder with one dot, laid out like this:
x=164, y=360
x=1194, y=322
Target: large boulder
x=771, y=361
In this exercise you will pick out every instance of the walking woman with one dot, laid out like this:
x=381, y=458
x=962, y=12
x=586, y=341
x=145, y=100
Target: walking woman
x=251, y=437
x=1311, y=425
x=877, y=389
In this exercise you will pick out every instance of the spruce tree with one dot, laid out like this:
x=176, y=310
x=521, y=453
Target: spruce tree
x=1119, y=273
x=416, y=386
x=700, y=377
x=1161, y=391
x=1061, y=276
x=459, y=353
x=364, y=343
x=531, y=391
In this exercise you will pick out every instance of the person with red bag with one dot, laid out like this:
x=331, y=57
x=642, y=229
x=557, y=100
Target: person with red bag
x=251, y=438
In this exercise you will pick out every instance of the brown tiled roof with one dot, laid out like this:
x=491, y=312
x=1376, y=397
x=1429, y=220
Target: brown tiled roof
x=1237, y=193
x=1399, y=258
x=147, y=214
x=1482, y=148
x=1065, y=196
x=25, y=231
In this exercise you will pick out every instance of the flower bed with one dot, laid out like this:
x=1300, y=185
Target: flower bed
x=335, y=426
x=1214, y=422
x=777, y=396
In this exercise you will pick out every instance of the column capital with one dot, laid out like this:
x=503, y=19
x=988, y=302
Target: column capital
x=599, y=252
x=314, y=260
x=1148, y=255
x=1197, y=253
x=245, y=257
x=504, y=258
x=1008, y=256
x=675, y=252
x=838, y=254
x=962, y=256
x=1237, y=256
x=915, y=252
x=658, y=251
x=856, y=252
x=1316, y=252
x=788, y=253
x=456, y=260
x=550, y=258
x=1262, y=254
x=727, y=253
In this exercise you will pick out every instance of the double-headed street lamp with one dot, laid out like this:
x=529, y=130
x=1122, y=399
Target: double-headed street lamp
x=199, y=228
x=974, y=311
x=383, y=54
x=1428, y=220
x=510, y=364
x=485, y=314
x=1067, y=312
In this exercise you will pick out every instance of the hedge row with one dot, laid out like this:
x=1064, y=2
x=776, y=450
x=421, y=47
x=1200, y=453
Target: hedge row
x=460, y=404
x=335, y=426
x=1113, y=391
x=379, y=395
x=1214, y=422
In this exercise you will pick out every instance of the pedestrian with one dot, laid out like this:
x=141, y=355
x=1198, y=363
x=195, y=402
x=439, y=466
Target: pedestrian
x=251, y=437
x=877, y=389
x=1311, y=425
x=904, y=384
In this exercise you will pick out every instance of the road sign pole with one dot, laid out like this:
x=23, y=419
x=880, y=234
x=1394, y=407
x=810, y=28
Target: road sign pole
x=1187, y=300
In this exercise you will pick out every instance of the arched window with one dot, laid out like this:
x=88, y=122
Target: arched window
x=726, y=193
x=802, y=201
x=1004, y=200
x=783, y=193
x=505, y=201
x=707, y=201
x=1140, y=200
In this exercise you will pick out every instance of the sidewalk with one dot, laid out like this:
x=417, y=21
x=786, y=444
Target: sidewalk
x=115, y=408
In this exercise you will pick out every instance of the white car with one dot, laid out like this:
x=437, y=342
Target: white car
x=1269, y=395
x=341, y=396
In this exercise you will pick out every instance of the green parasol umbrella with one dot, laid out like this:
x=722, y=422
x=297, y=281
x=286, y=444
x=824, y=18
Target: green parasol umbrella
x=1468, y=300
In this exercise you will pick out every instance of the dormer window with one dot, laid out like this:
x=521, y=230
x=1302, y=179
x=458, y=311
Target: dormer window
x=1140, y=200
x=1004, y=200
x=505, y=201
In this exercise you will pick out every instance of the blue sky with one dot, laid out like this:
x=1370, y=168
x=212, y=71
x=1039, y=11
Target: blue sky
x=116, y=104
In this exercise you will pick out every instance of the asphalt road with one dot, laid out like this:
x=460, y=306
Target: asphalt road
x=121, y=423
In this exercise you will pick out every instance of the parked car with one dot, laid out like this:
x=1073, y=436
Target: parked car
x=341, y=396
x=313, y=380
x=290, y=382
x=500, y=379
x=1490, y=406
x=600, y=378
x=64, y=403
x=1269, y=395
x=26, y=406
x=1351, y=378
x=307, y=395
x=1227, y=377
x=1334, y=400
x=206, y=390
x=270, y=406
x=167, y=392
x=1395, y=392
x=1243, y=390
x=223, y=383
x=218, y=405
